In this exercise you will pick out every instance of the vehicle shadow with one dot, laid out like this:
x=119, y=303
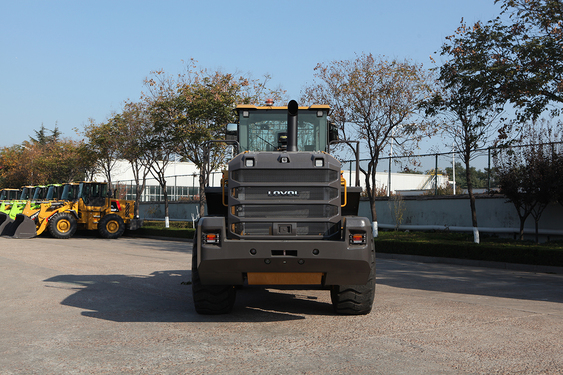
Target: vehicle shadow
x=166, y=296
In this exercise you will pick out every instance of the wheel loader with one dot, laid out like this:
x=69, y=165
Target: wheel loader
x=10, y=209
x=27, y=218
x=284, y=215
x=97, y=210
x=81, y=206
x=7, y=196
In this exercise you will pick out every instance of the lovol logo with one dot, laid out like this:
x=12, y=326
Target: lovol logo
x=283, y=193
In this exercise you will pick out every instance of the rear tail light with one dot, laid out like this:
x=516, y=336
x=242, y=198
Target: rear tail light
x=357, y=238
x=211, y=238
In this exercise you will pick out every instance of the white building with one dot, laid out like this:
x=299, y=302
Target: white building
x=400, y=183
x=182, y=181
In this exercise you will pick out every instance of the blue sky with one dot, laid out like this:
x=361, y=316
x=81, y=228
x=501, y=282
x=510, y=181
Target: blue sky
x=63, y=62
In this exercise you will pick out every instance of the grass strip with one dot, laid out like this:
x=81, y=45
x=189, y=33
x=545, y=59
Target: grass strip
x=461, y=246
x=177, y=229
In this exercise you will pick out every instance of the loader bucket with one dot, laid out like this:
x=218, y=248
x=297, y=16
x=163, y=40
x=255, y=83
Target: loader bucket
x=21, y=227
x=4, y=221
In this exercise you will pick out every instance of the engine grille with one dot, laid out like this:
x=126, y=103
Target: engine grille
x=288, y=175
x=302, y=229
x=286, y=211
x=288, y=193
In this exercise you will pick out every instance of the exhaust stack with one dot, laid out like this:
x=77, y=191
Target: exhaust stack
x=292, y=108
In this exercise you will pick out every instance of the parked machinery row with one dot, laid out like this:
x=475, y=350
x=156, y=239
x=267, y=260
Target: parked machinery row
x=62, y=209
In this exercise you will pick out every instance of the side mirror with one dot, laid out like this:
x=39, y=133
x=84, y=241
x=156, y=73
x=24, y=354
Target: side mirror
x=231, y=133
x=332, y=132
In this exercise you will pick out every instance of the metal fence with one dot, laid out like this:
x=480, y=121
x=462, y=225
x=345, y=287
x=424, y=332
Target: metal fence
x=431, y=174
x=178, y=188
x=438, y=173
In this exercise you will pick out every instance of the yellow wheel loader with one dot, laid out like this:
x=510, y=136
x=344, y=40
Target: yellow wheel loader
x=81, y=206
x=30, y=218
x=98, y=210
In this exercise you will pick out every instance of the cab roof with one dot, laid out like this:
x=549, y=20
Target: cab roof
x=314, y=107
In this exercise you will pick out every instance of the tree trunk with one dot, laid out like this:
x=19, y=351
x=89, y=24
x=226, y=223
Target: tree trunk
x=139, y=187
x=371, y=191
x=471, y=201
x=522, y=222
x=374, y=217
x=202, y=197
x=166, y=214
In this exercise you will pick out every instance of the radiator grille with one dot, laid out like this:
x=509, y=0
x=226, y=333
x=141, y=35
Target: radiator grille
x=303, y=229
x=287, y=193
x=286, y=211
x=281, y=175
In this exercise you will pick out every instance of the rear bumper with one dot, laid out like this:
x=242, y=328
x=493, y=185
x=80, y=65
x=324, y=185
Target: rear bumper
x=230, y=261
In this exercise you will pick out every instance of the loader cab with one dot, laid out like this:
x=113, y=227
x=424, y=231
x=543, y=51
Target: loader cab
x=93, y=193
x=54, y=192
x=39, y=193
x=70, y=192
x=26, y=193
x=9, y=194
x=265, y=128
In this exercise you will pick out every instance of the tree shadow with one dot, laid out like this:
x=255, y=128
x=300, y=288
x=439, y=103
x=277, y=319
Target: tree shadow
x=470, y=280
x=166, y=296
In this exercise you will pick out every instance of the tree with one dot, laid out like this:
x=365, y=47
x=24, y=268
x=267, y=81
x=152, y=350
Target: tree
x=529, y=176
x=158, y=140
x=514, y=182
x=104, y=143
x=208, y=100
x=43, y=160
x=376, y=101
x=14, y=171
x=132, y=123
x=468, y=101
x=542, y=171
x=520, y=56
x=197, y=105
x=534, y=55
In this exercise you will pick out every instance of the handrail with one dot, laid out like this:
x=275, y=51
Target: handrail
x=343, y=183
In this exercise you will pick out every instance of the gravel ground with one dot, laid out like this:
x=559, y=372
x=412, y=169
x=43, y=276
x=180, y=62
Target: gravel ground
x=95, y=306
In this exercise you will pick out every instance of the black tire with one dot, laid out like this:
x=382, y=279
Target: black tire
x=354, y=299
x=210, y=299
x=111, y=226
x=62, y=225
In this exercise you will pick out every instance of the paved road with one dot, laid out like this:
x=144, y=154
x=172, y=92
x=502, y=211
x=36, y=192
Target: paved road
x=89, y=305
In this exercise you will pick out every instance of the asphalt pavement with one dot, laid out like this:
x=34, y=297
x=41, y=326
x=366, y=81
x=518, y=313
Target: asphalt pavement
x=96, y=306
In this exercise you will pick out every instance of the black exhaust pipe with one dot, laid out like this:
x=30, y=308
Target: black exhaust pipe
x=292, y=108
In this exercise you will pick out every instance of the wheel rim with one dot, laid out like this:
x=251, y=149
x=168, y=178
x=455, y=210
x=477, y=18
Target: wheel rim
x=112, y=226
x=63, y=226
